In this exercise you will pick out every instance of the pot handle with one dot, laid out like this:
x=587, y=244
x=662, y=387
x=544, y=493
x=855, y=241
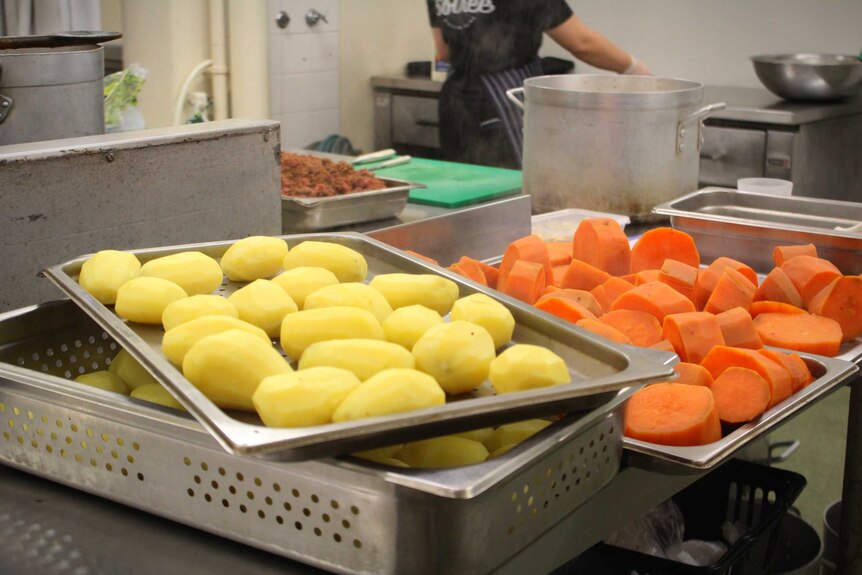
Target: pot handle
x=516, y=100
x=698, y=115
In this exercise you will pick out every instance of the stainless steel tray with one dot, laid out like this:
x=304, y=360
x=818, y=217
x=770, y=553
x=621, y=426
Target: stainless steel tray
x=317, y=214
x=598, y=368
x=725, y=221
x=830, y=373
x=340, y=514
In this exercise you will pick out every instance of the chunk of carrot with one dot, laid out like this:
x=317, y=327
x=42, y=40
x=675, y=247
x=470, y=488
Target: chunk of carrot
x=800, y=375
x=732, y=290
x=659, y=244
x=581, y=275
x=693, y=374
x=560, y=253
x=601, y=242
x=708, y=277
x=663, y=345
x=640, y=327
x=803, y=332
x=781, y=254
x=550, y=288
x=741, y=395
x=656, y=298
x=491, y=273
x=645, y=276
x=583, y=297
x=680, y=276
x=722, y=357
x=758, y=307
x=810, y=275
x=558, y=273
x=672, y=414
x=469, y=271
x=603, y=330
x=605, y=293
x=530, y=248
x=567, y=309
x=776, y=286
x=526, y=281
x=737, y=328
x=841, y=300
x=692, y=334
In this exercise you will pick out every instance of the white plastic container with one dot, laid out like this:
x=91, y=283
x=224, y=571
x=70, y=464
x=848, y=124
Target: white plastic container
x=770, y=186
x=560, y=226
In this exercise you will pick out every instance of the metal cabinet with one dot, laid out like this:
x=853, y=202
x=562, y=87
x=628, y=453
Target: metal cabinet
x=405, y=115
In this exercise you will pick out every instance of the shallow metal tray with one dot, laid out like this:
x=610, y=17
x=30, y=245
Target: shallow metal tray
x=316, y=214
x=830, y=374
x=341, y=514
x=725, y=221
x=598, y=368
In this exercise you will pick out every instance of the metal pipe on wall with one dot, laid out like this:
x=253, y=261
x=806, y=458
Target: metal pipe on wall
x=248, y=58
x=218, y=54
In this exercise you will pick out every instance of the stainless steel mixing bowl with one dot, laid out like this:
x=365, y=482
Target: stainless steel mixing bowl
x=810, y=77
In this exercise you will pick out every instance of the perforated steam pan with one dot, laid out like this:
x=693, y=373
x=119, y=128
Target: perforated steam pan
x=340, y=514
x=830, y=374
x=598, y=368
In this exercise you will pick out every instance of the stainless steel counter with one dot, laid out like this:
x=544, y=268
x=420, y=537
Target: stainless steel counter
x=761, y=106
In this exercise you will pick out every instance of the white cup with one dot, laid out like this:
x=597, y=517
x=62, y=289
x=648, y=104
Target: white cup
x=771, y=186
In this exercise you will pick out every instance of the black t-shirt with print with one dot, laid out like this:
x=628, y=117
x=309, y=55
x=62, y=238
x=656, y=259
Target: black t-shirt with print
x=493, y=35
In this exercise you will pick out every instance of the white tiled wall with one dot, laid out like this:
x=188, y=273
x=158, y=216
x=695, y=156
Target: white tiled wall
x=303, y=68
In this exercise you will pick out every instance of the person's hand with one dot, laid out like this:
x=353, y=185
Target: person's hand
x=637, y=68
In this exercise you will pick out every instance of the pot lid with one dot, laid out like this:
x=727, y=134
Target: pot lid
x=57, y=40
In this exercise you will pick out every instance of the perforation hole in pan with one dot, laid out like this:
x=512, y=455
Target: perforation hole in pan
x=574, y=474
x=297, y=509
x=88, y=447
x=65, y=355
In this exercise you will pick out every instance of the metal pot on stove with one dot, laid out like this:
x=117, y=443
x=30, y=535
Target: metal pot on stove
x=617, y=144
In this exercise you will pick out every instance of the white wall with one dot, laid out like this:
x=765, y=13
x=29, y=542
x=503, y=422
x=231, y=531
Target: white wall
x=703, y=40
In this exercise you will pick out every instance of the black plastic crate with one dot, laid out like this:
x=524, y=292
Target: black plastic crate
x=757, y=495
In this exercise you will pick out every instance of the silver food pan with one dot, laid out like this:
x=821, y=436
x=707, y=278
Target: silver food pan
x=830, y=374
x=725, y=221
x=300, y=214
x=340, y=514
x=598, y=368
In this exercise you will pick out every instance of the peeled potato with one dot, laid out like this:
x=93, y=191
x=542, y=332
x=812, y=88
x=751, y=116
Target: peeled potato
x=432, y=291
x=383, y=455
x=347, y=264
x=511, y=434
x=446, y=451
x=195, y=272
x=254, y=257
x=144, y=299
x=130, y=370
x=362, y=357
x=353, y=294
x=227, y=367
x=104, y=272
x=104, y=380
x=406, y=325
x=303, y=328
x=179, y=340
x=156, y=393
x=525, y=366
x=484, y=310
x=457, y=354
x=300, y=282
x=304, y=397
x=481, y=435
x=187, y=309
x=390, y=391
x=264, y=304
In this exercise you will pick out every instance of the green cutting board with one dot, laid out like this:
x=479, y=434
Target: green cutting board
x=450, y=185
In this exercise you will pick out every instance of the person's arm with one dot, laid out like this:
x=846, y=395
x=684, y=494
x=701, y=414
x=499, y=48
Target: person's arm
x=440, y=46
x=591, y=47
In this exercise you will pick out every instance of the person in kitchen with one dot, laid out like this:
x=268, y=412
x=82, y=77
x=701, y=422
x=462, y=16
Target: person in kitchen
x=492, y=46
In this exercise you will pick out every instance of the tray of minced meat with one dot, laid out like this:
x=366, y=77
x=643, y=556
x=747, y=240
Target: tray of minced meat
x=321, y=194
